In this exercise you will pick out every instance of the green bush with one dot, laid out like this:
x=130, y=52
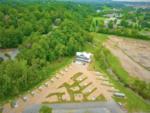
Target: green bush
x=45, y=109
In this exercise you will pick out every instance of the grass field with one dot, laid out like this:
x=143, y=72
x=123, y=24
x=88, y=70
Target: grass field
x=103, y=61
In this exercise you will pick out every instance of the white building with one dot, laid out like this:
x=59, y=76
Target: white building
x=83, y=57
x=98, y=11
x=122, y=95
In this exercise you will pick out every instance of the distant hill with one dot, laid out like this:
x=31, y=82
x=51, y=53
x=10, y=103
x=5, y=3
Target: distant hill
x=132, y=0
x=57, y=0
x=87, y=0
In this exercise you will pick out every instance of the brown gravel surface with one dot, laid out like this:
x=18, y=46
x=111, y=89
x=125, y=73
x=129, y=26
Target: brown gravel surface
x=58, y=80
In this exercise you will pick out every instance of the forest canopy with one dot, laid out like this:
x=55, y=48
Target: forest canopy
x=43, y=33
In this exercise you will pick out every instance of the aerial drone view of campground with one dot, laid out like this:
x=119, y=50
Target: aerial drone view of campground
x=74, y=56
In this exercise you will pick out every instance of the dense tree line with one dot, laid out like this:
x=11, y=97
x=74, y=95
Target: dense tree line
x=124, y=32
x=63, y=41
x=121, y=31
x=18, y=21
x=100, y=27
x=43, y=34
x=125, y=21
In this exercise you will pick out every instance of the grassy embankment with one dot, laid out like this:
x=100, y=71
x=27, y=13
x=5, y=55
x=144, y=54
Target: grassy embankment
x=105, y=62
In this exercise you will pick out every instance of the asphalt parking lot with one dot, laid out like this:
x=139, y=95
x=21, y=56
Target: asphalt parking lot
x=86, y=107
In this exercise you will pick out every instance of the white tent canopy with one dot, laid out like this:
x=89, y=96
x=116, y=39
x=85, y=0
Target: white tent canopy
x=83, y=56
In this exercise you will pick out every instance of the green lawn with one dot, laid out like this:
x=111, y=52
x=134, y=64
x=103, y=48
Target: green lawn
x=104, y=60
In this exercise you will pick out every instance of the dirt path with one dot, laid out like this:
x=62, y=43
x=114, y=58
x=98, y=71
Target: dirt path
x=65, y=76
x=129, y=53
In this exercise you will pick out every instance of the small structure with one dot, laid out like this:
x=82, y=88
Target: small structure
x=121, y=95
x=98, y=11
x=93, y=98
x=6, y=54
x=61, y=73
x=40, y=88
x=89, y=91
x=98, y=73
x=24, y=98
x=52, y=80
x=46, y=84
x=78, y=97
x=83, y=57
x=85, y=84
x=1, y=59
x=14, y=104
x=32, y=93
x=57, y=77
x=75, y=89
x=66, y=70
x=79, y=79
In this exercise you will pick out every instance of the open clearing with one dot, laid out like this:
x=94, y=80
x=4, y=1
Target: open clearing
x=74, y=84
x=133, y=54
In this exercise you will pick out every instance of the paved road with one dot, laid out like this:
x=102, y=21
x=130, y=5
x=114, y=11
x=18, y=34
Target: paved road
x=88, y=107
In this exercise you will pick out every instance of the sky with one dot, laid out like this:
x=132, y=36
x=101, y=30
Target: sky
x=134, y=0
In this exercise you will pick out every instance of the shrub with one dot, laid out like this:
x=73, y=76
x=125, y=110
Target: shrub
x=45, y=109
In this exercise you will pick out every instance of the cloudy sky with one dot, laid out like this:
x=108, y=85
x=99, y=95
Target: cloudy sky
x=134, y=0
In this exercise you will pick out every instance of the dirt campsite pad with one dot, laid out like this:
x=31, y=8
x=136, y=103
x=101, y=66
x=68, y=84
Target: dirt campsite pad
x=134, y=55
x=73, y=84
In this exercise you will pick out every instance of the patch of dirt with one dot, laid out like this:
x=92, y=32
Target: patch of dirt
x=59, y=88
x=133, y=54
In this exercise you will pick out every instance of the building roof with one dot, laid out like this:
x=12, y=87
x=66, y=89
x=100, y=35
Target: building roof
x=84, y=54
